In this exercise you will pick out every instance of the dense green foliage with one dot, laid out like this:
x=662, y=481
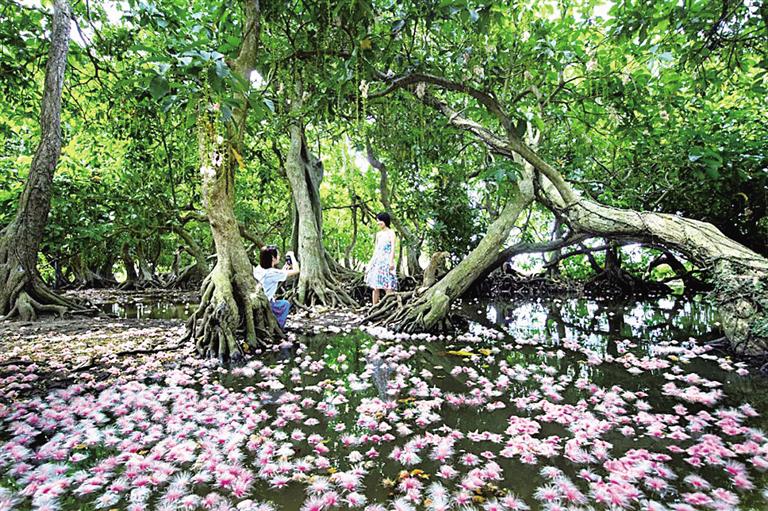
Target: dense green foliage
x=648, y=105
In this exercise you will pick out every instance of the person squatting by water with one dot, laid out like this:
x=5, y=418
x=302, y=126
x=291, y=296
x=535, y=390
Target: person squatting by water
x=269, y=276
x=380, y=272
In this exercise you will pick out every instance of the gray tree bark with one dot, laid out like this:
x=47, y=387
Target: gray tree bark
x=739, y=275
x=22, y=292
x=231, y=296
x=318, y=282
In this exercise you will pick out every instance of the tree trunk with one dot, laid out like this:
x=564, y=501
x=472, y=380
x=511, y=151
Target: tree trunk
x=429, y=311
x=691, y=283
x=88, y=277
x=230, y=294
x=739, y=275
x=317, y=282
x=435, y=270
x=353, y=242
x=194, y=274
x=22, y=291
x=147, y=276
x=294, y=228
x=553, y=270
x=131, y=277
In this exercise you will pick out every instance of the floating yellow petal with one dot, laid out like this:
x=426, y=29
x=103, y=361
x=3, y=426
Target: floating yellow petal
x=461, y=353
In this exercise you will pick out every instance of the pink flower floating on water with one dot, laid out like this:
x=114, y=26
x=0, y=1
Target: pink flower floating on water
x=161, y=434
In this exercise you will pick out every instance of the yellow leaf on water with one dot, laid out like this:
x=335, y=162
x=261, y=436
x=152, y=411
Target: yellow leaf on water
x=460, y=353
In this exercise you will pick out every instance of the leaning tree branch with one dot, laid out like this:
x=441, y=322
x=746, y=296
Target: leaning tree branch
x=484, y=98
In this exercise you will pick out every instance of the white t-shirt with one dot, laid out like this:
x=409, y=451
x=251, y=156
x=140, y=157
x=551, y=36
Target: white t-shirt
x=269, y=279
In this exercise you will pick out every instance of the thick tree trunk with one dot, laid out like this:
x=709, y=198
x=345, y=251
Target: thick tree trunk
x=318, y=283
x=139, y=273
x=22, y=292
x=88, y=277
x=740, y=275
x=231, y=295
x=429, y=311
x=435, y=270
x=147, y=276
x=353, y=241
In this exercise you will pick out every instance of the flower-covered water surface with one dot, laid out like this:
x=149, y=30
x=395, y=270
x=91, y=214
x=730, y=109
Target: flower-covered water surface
x=553, y=416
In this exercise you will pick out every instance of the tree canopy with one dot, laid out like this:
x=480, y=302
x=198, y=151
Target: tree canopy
x=651, y=106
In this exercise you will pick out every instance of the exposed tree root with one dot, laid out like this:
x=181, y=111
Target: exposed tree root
x=215, y=322
x=410, y=313
x=188, y=277
x=329, y=290
x=620, y=282
x=510, y=284
x=25, y=296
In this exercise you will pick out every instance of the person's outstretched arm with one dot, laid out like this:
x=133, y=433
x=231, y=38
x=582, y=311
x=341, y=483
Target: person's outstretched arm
x=293, y=269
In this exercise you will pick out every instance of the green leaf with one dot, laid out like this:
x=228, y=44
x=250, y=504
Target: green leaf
x=158, y=87
x=222, y=71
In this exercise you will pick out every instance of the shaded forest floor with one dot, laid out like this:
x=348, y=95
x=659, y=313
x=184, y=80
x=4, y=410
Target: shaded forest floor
x=62, y=351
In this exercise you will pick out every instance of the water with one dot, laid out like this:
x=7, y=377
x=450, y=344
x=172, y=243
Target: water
x=151, y=309
x=622, y=391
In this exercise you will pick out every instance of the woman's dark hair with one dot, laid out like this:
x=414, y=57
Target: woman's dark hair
x=384, y=217
x=268, y=252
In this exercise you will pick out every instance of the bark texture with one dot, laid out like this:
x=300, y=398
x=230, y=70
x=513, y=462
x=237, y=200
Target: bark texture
x=231, y=296
x=319, y=281
x=22, y=292
x=193, y=274
x=739, y=275
x=429, y=311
